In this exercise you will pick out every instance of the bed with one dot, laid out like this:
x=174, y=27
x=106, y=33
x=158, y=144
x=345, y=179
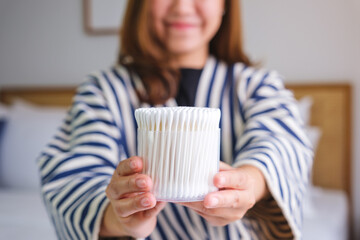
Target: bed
x=28, y=124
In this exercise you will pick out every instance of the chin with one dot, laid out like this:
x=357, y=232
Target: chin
x=180, y=49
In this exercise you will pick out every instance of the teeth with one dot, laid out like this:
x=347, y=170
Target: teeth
x=180, y=147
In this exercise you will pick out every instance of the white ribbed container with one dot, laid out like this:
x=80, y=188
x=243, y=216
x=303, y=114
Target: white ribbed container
x=180, y=147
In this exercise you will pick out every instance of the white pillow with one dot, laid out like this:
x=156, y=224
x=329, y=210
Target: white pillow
x=313, y=133
x=305, y=104
x=27, y=131
x=4, y=112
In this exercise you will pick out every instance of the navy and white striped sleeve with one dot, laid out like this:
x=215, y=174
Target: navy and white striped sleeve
x=273, y=140
x=78, y=164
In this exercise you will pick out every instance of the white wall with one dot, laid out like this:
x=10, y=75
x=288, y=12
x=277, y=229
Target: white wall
x=308, y=39
x=42, y=43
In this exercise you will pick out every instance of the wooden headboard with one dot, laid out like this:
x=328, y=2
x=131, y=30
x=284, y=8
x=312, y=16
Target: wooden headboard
x=52, y=96
x=331, y=112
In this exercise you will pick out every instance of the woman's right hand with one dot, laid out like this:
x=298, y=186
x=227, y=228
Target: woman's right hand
x=133, y=209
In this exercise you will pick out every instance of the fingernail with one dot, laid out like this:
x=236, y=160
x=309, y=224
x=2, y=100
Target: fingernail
x=221, y=181
x=133, y=164
x=213, y=202
x=145, y=202
x=140, y=183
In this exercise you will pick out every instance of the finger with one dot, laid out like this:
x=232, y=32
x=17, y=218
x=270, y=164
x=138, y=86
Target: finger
x=192, y=205
x=205, y=212
x=224, y=166
x=155, y=211
x=230, y=199
x=221, y=220
x=124, y=186
x=129, y=166
x=128, y=206
x=235, y=179
x=197, y=207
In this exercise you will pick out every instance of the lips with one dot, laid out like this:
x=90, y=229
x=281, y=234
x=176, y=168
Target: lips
x=182, y=25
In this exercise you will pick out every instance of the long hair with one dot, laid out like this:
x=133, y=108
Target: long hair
x=142, y=53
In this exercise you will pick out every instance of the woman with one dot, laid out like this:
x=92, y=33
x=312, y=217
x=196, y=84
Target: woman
x=179, y=52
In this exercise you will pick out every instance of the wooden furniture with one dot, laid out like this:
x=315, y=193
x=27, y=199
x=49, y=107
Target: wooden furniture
x=52, y=96
x=332, y=113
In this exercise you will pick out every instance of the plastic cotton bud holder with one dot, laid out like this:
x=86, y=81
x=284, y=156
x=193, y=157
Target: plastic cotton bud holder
x=180, y=147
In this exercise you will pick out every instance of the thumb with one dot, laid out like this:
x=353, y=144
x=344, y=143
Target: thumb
x=224, y=166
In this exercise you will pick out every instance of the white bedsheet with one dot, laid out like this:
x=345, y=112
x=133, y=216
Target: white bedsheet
x=23, y=216
x=325, y=215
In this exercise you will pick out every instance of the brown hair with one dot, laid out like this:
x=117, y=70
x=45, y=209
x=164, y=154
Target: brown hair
x=141, y=52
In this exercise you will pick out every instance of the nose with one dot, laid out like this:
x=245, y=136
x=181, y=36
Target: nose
x=183, y=7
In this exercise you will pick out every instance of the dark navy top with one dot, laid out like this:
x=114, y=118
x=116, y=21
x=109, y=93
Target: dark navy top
x=189, y=81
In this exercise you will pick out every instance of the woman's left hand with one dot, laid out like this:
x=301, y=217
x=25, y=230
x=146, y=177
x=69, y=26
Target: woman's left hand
x=239, y=190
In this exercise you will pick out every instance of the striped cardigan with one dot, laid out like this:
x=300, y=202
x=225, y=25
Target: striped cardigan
x=260, y=126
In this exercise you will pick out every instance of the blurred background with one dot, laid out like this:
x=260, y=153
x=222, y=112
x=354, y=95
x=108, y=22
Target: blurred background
x=43, y=43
